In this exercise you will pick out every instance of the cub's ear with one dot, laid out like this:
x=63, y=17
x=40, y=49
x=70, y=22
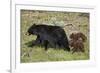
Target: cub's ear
x=34, y=24
x=71, y=36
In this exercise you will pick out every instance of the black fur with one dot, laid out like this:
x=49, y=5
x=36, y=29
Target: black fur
x=46, y=34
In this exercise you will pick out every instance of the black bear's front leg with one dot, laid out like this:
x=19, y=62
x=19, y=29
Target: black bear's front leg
x=37, y=41
x=46, y=45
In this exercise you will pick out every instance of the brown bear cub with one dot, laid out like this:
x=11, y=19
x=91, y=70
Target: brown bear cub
x=77, y=42
x=77, y=45
x=76, y=36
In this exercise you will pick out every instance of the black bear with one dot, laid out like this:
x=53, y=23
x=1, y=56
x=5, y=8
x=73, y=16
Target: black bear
x=47, y=34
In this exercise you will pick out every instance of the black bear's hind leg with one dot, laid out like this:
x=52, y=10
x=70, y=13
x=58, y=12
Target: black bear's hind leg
x=59, y=44
x=66, y=47
x=46, y=45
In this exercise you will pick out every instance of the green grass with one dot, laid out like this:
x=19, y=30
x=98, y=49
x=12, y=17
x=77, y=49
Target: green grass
x=37, y=53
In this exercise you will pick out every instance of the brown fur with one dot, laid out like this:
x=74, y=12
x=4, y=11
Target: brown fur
x=76, y=36
x=77, y=45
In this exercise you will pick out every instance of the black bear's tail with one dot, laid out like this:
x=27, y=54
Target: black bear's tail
x=66, y=44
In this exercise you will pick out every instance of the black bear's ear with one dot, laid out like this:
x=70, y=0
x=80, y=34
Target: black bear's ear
x=34, y=24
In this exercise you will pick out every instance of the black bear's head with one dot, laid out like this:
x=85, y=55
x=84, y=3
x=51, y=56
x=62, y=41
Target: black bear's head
x=32, y=30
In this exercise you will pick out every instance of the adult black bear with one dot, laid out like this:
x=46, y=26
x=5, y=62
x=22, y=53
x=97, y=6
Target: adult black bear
x=46, y=34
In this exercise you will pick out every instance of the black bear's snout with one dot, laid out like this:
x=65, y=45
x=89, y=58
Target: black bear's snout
x=27, y=33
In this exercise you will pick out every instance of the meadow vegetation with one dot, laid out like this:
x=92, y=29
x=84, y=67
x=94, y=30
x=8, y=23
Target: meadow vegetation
x=29, y=54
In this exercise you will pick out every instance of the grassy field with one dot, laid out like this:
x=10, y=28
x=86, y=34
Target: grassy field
x=80, y=22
